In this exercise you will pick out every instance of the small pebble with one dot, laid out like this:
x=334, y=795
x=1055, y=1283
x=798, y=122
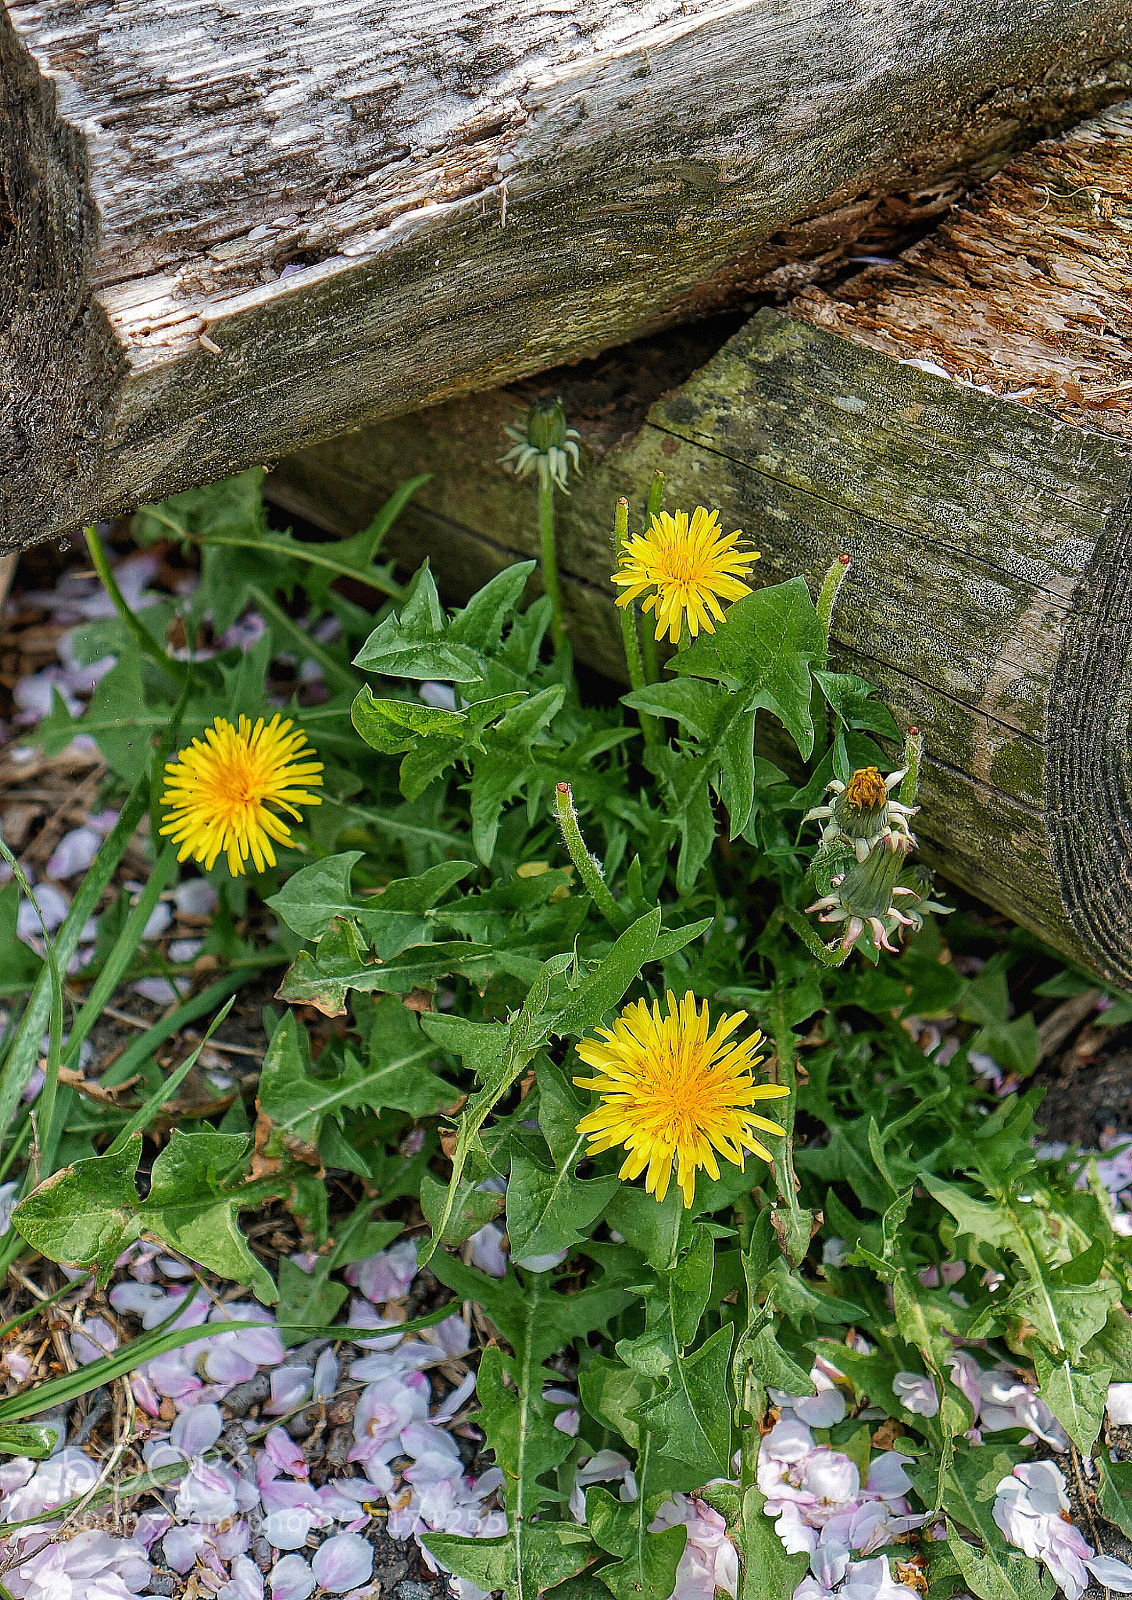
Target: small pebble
x=411, y=1589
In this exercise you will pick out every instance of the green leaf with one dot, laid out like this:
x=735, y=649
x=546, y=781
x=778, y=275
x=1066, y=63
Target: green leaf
x=674, y=1305
x=550, y=1551
x=764, y=653
x=312, y=897
x=980, y=1218
x=998, y=1572
x=766, y=1568
x=189, y=1207
x=86, y=1214
x=519, y=1425
x=1065, y=1318
x=692, y=1416
x=548, y=1207
x=294, y=1099
x=1013, y=1045
x=324, y=979
x=309, y=1297
x=611, y=1392
x=849, y=698
x=392, y=725
x=23, y=1051
x=1116, y=1490
x=606, y=987
x=507, y=763
x=19, y=964
x=1076, y=1398
x=418, y=642
x=471, y=1210
x=33, y=1439
x=498, y=1054
x=646, y=1568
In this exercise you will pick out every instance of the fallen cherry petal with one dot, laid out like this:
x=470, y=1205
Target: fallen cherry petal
x=291, y=1579
x=342, y=1562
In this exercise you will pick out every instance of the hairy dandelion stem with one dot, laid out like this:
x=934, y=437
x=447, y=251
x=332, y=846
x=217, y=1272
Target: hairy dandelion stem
x=831, y=585
x=588, y=869
x=630, y=632
x=910, y=760
x=652, y=509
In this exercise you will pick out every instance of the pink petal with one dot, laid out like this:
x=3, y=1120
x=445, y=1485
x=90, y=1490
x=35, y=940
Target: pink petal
x=343, y=1562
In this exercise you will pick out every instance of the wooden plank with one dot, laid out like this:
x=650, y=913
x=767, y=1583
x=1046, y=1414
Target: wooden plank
x=227, y=230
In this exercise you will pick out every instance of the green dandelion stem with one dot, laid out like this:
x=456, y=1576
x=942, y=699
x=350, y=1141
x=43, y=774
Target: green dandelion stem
x=796, y=1228
x=630, y=637
x=831, y=585
x=652, y=509
x=177, y=670
x=588, y=869
x=911, y=758
x=549, y=551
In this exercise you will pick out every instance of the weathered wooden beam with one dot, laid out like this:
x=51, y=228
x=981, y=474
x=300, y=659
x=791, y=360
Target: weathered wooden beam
x=227, y=229
x=991, y=544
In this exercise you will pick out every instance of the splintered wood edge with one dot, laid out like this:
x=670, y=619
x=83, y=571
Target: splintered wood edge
x=1024, y=289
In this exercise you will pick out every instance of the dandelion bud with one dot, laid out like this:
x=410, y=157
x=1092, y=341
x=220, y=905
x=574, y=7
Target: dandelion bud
x=862, y=812
x=543, y=443
x=546, y=425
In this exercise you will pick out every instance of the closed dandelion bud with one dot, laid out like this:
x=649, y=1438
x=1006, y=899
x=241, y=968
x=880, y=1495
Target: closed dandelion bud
x=546, y=425
x=862, y=812
x=867, y=893
x=543, y=443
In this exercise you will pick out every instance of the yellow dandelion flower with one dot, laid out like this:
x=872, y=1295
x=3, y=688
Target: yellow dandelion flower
x=218, y=791
x=690, y=566
x=673, y=1094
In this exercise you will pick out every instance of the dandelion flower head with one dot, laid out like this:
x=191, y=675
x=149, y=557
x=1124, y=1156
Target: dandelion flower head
x=218, y=791
x=690, y=565
x=673, y=1094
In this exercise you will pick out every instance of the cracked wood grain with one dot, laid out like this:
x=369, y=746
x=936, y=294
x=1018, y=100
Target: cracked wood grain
x=229, y=227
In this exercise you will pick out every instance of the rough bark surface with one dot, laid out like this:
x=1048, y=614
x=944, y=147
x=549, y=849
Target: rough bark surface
x=231, y=227
x=991, y=551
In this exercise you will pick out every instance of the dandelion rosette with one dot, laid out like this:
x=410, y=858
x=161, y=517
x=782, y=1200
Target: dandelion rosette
x=673, y=1094
x=862, y=812
x=218, y=791
x=690, y=565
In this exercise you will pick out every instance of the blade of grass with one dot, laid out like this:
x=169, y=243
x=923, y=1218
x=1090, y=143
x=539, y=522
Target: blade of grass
x=304, y=646
x=63, y=1390
x=46, y=1102
x=120, y=956
x=177, y=670
x=139, y=1050
x=24, y=1048
x=140, y=1483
